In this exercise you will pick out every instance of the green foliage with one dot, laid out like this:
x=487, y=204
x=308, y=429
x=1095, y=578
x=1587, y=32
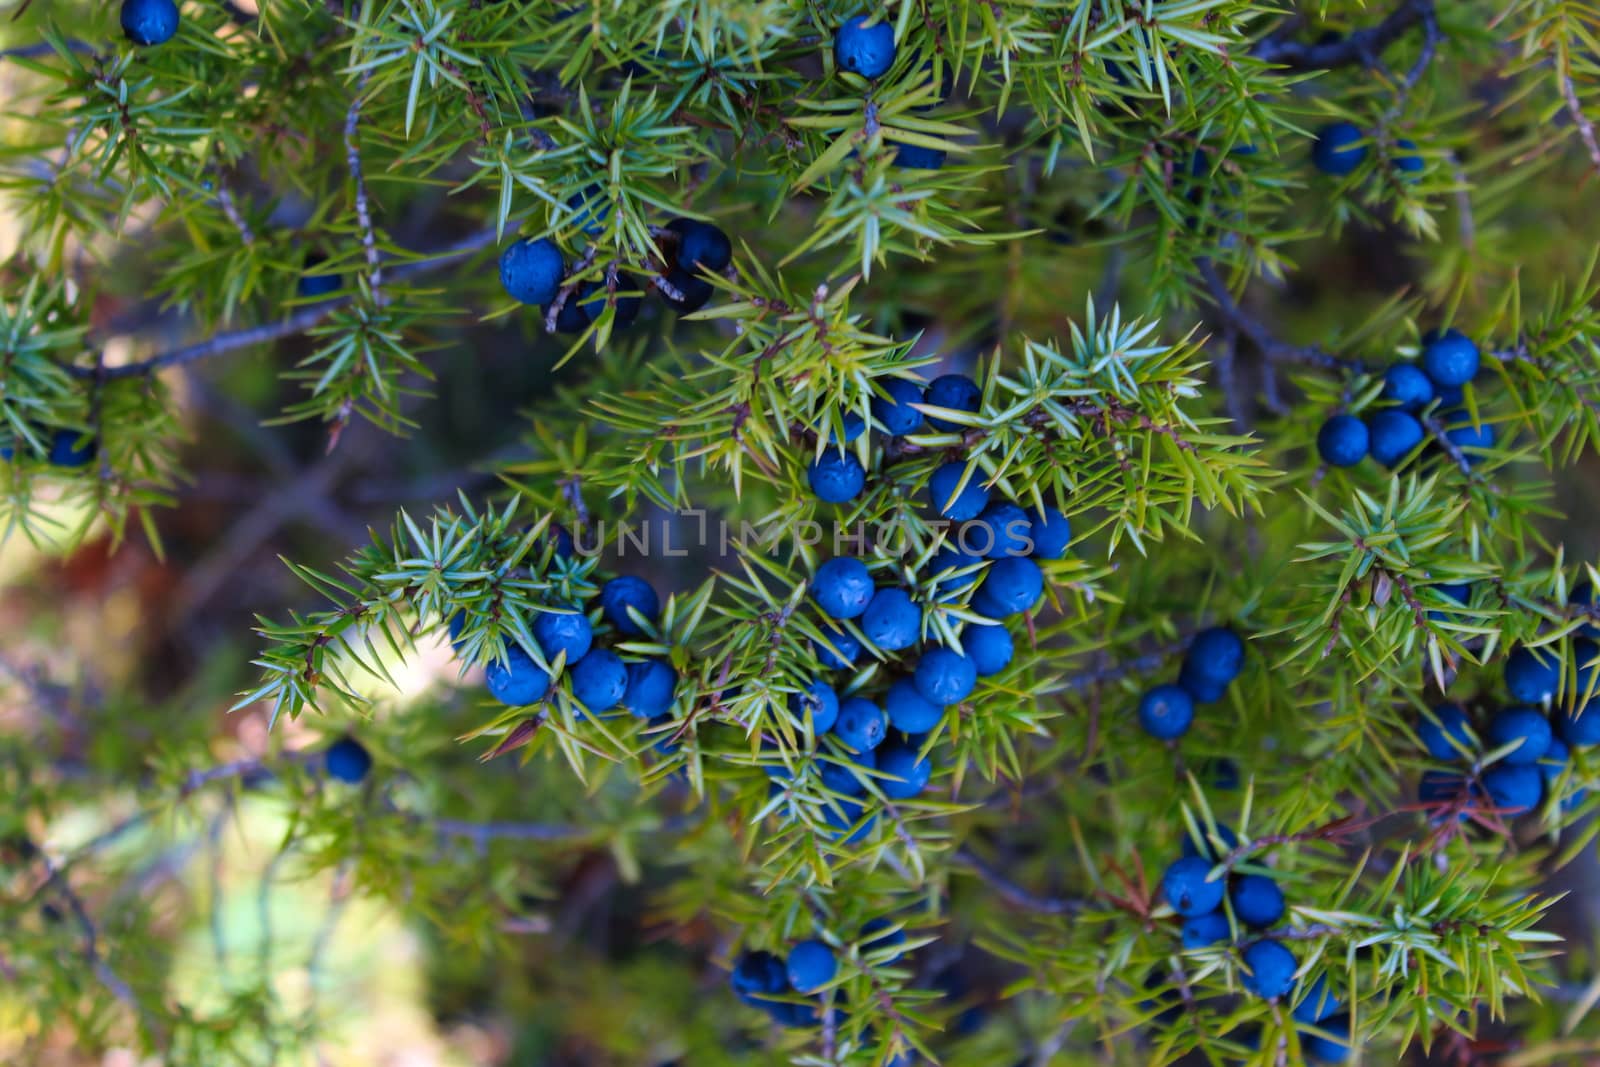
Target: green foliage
x=1146, y=163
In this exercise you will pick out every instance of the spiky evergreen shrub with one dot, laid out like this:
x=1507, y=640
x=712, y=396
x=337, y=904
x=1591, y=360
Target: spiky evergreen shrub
x=1135, y=226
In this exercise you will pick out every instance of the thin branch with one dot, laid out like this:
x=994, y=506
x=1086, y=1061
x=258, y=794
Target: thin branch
x=1128, y=668
x=1013, y=893
x=1360, y=47
x=1270, y=347
x=295, y=324
x=481, y=833
x=230, y=208
x=108, y=977
x=45, y=48
x=352, y=157
x=1569, y=93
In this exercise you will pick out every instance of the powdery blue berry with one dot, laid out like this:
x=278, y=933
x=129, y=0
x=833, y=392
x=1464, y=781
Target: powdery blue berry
x=624, y=595
x=861, y=725
x=989, y=647
x=916, y=156
x=842, y=816
x=842, y=587
x=955, y=392
x=1513, y=788
x=913, y=713
x=1582, y=596
x=531, y=270
x=650, y=688
x=598, y=680
x=1552, y=765
x=907, y=775
x=693, y=291
x=347, y=760
x=820, y=701
x=1443, y=789
x=594, y=300
x=1391, y=436
x=1318, y=1003
x=1165, y=712
x=149, y=22
x=944, y=676
x=758, y=974
x=894, y=411
x=1405, y=159
x=1446, y=733
x=1407, y=387
x=880, y=934
x=958, y=507
x=590, y=208
x=1002, y=529
x=1579, y=726
x=892, y=620
x=1338, y=150
x=1052, y=533
x=314, y=284
x=1524, y=727
x=518, y=681
x=1473, y=441
x=1188, y=890
x=701, y=246
x=1343, y=441
x=836, y=477
x=1012, y=585
x=70, y=448
x=948, y=559
x=1203, y=930
x=572, y=318
x=1332, y=1044
x=1257, y=901
x=867, y=50
x=1216, y=653
x=840, y=775
x=843, y=651
x=1269, y=970
x=1532, y=674
x=558, y=632
x=811, y=966
x=1201, y=689
x=1449, y=358
x=1208, y=850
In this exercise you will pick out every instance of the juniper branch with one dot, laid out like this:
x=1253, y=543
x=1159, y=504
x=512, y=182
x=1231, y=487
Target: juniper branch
x=1585, y=127
x=1360, y=47
x=352, y=154
x=295, y=324
x=1011, y=891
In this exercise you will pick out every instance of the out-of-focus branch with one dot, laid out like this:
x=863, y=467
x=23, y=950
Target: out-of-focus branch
x=297, y=323
x=1013, y=893
x=1362, y=46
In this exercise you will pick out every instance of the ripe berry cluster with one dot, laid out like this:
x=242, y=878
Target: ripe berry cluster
x=995, y=552
x=787, y=988
x=1342, y=146
x=837, y=476
x=599, y=680
x=869, y=51
x=1449, y=361
x=1523, y=752
x=1218, y=905
x=1214, y=659
x=68, y=448
x=532, y=271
